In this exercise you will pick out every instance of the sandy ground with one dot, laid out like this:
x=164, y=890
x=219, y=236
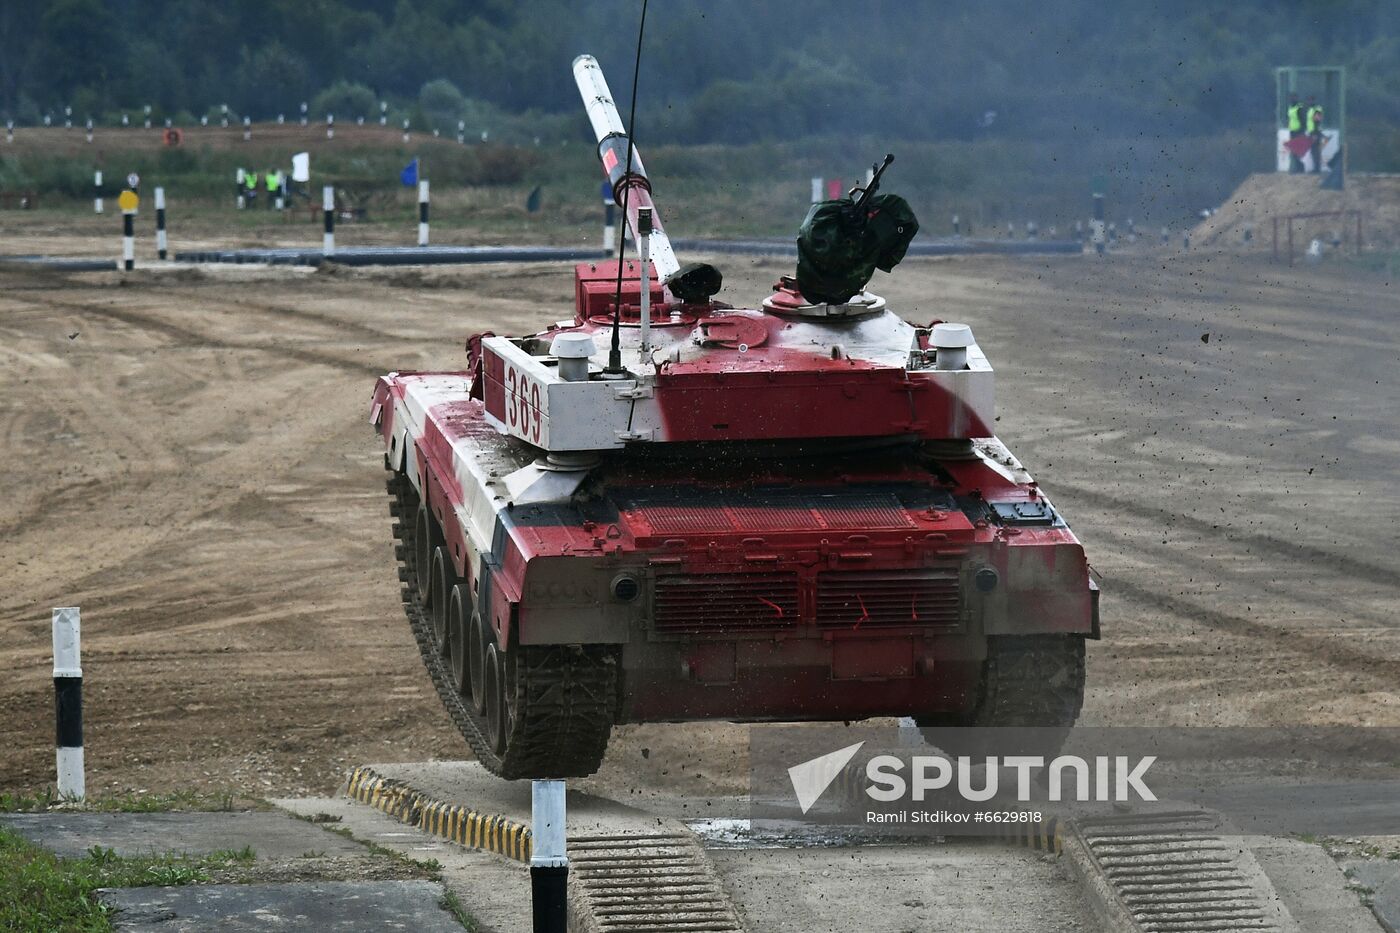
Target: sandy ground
x=189, y=461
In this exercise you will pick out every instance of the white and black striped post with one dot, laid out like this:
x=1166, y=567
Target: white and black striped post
x=223, y=119
x=238, y=186
x=160, y=223
x=97, y=191
x=281, y=119
x=67, y=118
x=330, y=126
x=9, y=131
x=816, y=189
x=89, y=129
x=423, y=212
x=148, y=116
x=247, y=128
x=461, y=132
x=549, y=861
x=609, y=219
x=129, y=238
x=303, y=113
x=644, y=261
x=68, y=702
x=328, y=211
x=1096, y=226
x=383, y=113
x=957, y=225
x=1165, y=236
x=405, y=131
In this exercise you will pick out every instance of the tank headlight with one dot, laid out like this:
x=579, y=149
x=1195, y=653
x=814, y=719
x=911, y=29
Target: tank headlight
x=625, y=588
x=985, y=579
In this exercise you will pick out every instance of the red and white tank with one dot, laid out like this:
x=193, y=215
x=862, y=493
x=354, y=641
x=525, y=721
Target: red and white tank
x=791, y=511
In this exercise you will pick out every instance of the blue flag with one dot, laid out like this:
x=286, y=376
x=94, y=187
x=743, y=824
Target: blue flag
x=409, y=175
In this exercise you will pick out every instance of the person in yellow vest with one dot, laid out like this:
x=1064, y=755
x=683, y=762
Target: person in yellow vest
x=250, y=184
x=1315, y=131
x=273, y=182
x=1295, y=129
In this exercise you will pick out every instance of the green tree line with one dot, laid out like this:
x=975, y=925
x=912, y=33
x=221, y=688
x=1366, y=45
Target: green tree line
x=712, y=70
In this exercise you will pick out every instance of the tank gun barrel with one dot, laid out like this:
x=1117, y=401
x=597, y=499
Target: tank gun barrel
x=612, y=152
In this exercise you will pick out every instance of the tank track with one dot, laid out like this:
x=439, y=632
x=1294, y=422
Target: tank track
x=1033, y=682
x=564, y=696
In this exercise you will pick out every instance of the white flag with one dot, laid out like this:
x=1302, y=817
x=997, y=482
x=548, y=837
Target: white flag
x=301, y=166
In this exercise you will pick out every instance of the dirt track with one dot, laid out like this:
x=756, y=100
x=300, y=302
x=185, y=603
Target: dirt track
x=189, y=462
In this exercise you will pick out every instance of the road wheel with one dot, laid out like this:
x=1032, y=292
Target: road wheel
x=494, y=688
x=425, y=538
x=444, y=580
x=458, y=633
x=477, y=640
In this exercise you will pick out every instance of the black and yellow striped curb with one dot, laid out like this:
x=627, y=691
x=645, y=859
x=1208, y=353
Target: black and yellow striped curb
x=1043, y=835
x=462, y=825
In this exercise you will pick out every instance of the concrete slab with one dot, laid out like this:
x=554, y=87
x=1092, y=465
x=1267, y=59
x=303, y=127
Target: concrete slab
x=1381, y=877
x=954, y=887
x=495, y=891
x=1385, y=904
x=329, y=906
x=1311, y=885
x=808, y=884
x=270, y=835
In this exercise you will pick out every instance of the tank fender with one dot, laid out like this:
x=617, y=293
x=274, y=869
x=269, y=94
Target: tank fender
x=383, y=417
x=495, y=605
x=1039, y=589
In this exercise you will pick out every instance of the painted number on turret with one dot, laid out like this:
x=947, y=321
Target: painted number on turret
x=523, y=396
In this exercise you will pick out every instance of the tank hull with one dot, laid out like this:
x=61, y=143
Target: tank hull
x=813, y=585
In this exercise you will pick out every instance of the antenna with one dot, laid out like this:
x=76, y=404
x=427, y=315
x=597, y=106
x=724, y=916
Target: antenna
x=614, y=368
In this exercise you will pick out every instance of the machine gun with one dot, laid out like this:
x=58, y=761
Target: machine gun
x=877, y=169
x=842, y=242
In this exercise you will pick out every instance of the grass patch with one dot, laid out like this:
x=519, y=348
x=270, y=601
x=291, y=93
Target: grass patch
x=40, y=892
x=453, y=905
x=183, y=800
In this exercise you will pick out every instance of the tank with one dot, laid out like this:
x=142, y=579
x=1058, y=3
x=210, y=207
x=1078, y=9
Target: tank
x=665, y=508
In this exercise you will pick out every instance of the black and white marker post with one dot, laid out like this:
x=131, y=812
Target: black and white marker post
x=1096, y=226
x=609, y=219
x=160, y=223
x=128, y=238
x=68, y=702
x=423, y=212
x=328, y=211
x=549, y=862
x=97, y=191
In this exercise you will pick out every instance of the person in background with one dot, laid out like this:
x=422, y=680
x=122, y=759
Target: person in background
x=1315, y=131
x=1295, y=129
x=250, y=187
x=273, y=181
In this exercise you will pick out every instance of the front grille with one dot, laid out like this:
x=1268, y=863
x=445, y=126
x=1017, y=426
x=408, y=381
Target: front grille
x=726, y=602
x=928, y=599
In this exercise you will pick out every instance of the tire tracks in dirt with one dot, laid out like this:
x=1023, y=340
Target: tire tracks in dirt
x=177, y=332
x=1331, y=649
x=1277, y=547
